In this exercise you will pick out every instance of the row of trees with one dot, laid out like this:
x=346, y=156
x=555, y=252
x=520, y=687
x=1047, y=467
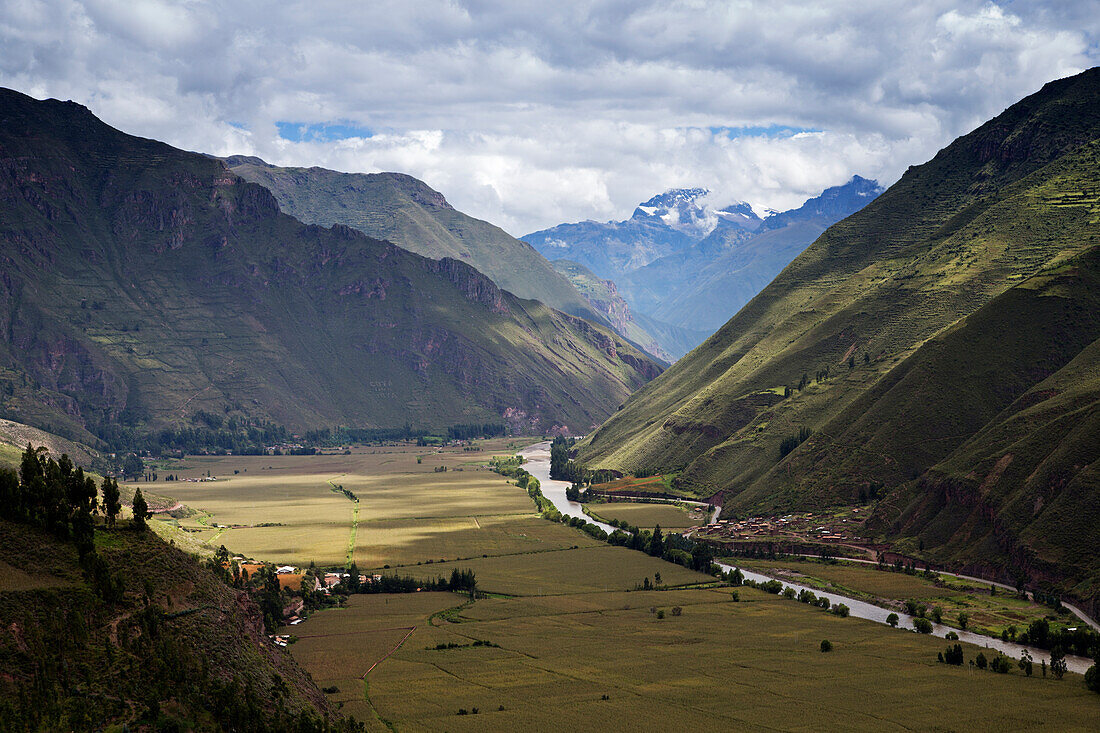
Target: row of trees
x=563, y=468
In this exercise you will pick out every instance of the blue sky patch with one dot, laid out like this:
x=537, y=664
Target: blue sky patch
x=324, y=132
x=760, y=131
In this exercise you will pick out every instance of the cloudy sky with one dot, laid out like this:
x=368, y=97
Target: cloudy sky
x=529, y=114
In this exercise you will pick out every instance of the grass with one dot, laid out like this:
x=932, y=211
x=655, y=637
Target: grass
x=646, y=515
x=592, y=568
x=586, y=660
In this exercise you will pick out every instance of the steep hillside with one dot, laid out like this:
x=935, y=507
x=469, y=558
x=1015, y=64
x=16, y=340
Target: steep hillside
x=604, y=297
x=142, y=284
x=867, y=320
x=179, y=648
x=403, y=210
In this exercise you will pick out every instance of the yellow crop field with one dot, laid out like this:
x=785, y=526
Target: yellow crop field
x=406, y=509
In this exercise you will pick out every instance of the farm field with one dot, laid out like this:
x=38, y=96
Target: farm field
x=591, y=566
x=297, y=509
x=648, y=515
x=605, y=661
x=988, y=614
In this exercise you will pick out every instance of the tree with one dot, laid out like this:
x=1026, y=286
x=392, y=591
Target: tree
x=892, y=619
x=353, y=579
x=1025, y=662
x=141, y=510
x=112, y=503
x=1058, y=662
x=826, y=645
x=964, y=619
x=937, y=614
x=980, y=661
x=922, y=625
x=132, y=466
x=656, y=543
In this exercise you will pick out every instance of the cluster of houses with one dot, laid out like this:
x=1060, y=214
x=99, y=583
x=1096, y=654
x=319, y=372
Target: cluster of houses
x=800, y=526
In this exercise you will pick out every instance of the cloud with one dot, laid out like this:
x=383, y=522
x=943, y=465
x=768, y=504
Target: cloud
x=529, y=114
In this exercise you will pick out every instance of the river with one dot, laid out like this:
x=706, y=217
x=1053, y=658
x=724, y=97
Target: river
x=537, y=458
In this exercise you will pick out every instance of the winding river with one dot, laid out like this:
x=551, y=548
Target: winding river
x=538, y=465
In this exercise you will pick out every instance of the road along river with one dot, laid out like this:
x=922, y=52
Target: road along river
x=538, y=465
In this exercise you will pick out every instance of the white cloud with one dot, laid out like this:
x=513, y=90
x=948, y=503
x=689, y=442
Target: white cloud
x=529, y=115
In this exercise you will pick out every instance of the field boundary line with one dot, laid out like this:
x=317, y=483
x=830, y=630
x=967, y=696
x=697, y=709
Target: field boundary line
x=390, y=652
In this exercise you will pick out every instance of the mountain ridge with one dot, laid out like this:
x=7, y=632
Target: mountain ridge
x=1003, y=207
x=143, y=284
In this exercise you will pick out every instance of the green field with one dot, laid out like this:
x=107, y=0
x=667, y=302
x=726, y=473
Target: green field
x=647, y=515
x=720, y=665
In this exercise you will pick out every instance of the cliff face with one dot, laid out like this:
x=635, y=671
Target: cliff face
x=142, y=284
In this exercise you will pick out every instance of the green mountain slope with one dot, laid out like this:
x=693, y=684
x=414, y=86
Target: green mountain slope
x=179, y=648
x=407, y=212
x=142, y=284
x=871, y=314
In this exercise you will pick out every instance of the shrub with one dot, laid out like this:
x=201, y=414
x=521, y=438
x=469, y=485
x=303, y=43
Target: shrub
x=735, y=596
x=951, y=636
x=1000, y=664
x=841, y=610
x=661, y=614
x=788, y=593
x=922, y=625
x=1092, y=678
x=953, y=655
x=823, y=602
x=772, y=586
x=826, y=645
x=677, y=611
x=980, y=661
x=893, y=619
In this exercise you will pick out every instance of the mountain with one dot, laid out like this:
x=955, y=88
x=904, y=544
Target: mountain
x=832, y=205
x=681, y=262
x=711, y=281
x=403, y=210
x=604, y=297
x=944, y=337
x=661, y=226
x=143, y=285
x=685, y=210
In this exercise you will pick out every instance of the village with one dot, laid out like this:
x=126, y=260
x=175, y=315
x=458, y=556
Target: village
x=839, y=527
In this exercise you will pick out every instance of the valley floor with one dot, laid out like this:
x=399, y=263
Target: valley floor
x=565, y=640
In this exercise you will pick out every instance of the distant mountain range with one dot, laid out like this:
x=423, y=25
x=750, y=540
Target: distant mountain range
x=143, y=286
x=683, y=264
x=941, y=346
